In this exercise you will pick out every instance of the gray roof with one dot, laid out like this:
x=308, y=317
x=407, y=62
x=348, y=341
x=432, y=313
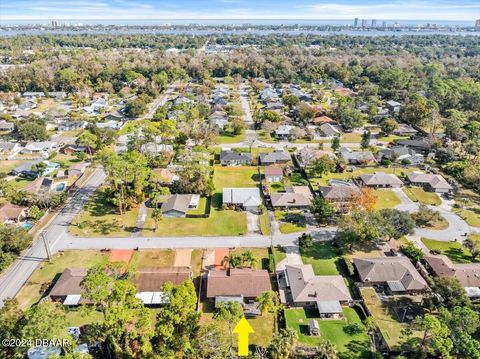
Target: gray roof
x=388, y=269
x=435, y=181
x=177, y=202
x=381, y=178
x=339, y=192
x=358, y=156
x=235, y=156
x=245, y=196
x=272, y=157
x=308, y=287
x=329, y=306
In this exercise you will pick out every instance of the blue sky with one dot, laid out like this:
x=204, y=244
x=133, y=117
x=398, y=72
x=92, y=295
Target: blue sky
x=462, y=10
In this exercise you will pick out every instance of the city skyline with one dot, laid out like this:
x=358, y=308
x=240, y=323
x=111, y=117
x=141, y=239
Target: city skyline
x=414, y=10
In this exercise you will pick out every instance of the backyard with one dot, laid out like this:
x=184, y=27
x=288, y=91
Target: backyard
x=453, y=250
x=236, y=176
x=349, y=345
x=383, y=313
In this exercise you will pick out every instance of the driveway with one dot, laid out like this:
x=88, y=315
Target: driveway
x=182, y=257
x=293, y=257
x=253, y=223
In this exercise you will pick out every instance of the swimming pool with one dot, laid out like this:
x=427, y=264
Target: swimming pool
x=60, y=187
x=27, y=225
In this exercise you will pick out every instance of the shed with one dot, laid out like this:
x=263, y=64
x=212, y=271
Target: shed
x=313, y=327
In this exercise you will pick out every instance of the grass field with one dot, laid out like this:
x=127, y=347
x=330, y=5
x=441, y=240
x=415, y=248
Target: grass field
x=471, y=216
x=418, y=194
x=453, y=250
x=154, y=258
x=357, y=345
x=236, y=176
x=227, y=137
x=265, y=224
x=279, y=254
x=46, y=273
x=324, y=258
x=386, y=199
x=385, y=320
x=351, y=137
x=99, y=217
x=7, y=165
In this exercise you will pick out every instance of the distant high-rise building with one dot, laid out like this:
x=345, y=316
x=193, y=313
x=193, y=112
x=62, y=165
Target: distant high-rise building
x=374, y=23
x=355, y=22
x=384, y=24
x=54, y=23
x=364, y=22
x=477, y=23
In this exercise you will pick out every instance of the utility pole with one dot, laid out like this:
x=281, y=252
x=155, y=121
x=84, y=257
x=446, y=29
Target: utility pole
x=45, y=243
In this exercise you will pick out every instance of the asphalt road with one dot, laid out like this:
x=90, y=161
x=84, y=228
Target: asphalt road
x=18, y=273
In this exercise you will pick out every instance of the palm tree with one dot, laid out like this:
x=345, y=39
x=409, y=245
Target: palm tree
x=269, y=302
x=326, y=350
x=249, y=259
x=283, y=344
x=157, y=216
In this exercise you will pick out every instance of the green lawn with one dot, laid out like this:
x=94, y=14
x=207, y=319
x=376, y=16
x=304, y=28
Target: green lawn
x=227, y=137
x=357, y=345
x=220, y=223
x=384, y=318
x=324, y=258
x=351, y=137
x=99, y=217
x=453, y=250
x=7, y=165
x=154, y=258
x=265, y=224
x=288, y=227
x=260, y=254
x=392, y=138
x=471, y=216
x=65, y=160
x=386, y=199
x=418, y=194
x=233, y=177
x=46, y=273
x=279, y=254
x=203, y=205
x=75, y=319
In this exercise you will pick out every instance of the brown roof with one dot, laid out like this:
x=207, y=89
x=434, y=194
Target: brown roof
x=273, y=171
x=152, y=279
x=468, y=274
x=40, y=184
x=289, y=200
x=177, y=202
x=237, y=281
x=387, y=269
x=303, y=190
x=69, y=283
x=324, y=119
x=11, y=212
x=338, y=193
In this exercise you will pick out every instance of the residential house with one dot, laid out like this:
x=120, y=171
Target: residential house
x=275, y=157
x=6, y=126
x=397, y=273
x=247, y=198
x=421, y=144
x=401, y=154
x=7, y=148
x=319, y=120
x=233, y=158
x=305, y=289
x=116, y=116
x=273, y=174
x=393, y=106
x=302, y=95
x=156, y=148
x=381, y=180
x=96, y=106
x=219, y=119
x=27, y=106
x=340, y=194
x=274, y=106
x=307, y=155
x=43, y=186
x=165, y=175
x=284, y=132
x=285, y=200
x=356, y=157
x=71, y=149
x=242, y=285
x=178, y=205
x=44, y=147
x=112, y=124
x=303, y=190
x=329, y=130
x=148, y=282
x=269, y=95
x=468, y=274
x=26, y=169
x=344, y=91
x=431, y=182
x=69, y=125
x=219, y=101
x=77, y=169
x=405, y=130
x=10, y=213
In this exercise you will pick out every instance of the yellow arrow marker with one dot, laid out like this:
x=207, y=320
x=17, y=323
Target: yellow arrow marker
x=243, y=329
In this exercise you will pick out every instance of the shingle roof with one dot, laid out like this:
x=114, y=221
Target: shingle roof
x=235, y=156
x=152, y=279
x=381, y=178
x=177, y=202
x=10, y=211
x=69, y=282
x=435, y=181
x=384, y=269
x=243, y=196
x=308, y=287
x=273, y=171
x=338, y=193
x=272, y=157
x=237, y=281
x=289, y=200
x=467, y=273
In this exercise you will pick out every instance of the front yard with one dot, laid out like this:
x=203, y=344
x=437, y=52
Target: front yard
x=453, y=250
x=386, y=198
x=234, y=177
x=418, y=194
x=290, y=222
x=356, y=345
x=324, y=258
x=260, y=255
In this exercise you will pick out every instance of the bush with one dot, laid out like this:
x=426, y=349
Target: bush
x=305, y=240
x=412, y=252
x=271, y=263
x=349, y=266
x=352, y=329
